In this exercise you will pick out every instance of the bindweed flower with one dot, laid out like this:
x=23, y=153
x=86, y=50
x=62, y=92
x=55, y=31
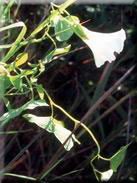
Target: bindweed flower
x=104, y=45
x=105, y=176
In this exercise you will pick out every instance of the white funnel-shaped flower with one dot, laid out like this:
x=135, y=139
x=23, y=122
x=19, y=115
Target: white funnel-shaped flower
x=104, y=45
x=105, y=176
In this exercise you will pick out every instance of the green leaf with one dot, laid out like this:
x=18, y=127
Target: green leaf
x=35, y=103
x=73, y=20
x=4, y=84
x=26, y=72
x=40, y=91
x=16, y=81
x=53, y=126
x=63, y=30
x=7, y=103
x=59, y=51
x=14, y=45
x=80, y=32
x=62, y=135
x=117, y=158
x=54, y=21
x=16, y=112
x=21, y=59
x=55, y=52
x=43, y=122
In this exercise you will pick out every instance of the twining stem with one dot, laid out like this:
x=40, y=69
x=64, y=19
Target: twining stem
x=77, y=122
x=15, y=47
x=31, y=88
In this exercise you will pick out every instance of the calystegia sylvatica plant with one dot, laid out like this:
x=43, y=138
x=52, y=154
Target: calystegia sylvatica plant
x=18, y=80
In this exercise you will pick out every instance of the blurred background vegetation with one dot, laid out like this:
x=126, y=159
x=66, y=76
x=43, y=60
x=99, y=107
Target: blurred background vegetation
x=76, y=84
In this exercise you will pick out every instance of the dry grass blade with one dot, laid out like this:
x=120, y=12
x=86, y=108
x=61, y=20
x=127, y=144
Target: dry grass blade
x=106, y=94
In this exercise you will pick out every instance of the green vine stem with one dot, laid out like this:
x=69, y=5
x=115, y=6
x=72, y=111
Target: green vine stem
x=55, y=13
x=76, y=122
x=43, y=25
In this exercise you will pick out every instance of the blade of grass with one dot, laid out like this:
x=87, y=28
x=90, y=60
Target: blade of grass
x=115, y=106
x=9, y=165
x=100, y=90
x=12, y=50
x=20, y=176
x=5, y=13
x=101, y=99
x=102, y=83
x=50, y=168
x=119, y=109
x=66, y=174
x=106, y=94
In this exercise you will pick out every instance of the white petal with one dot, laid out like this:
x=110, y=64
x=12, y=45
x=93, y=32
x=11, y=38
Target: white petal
x=105, y=176
x=62, y=134
x=103, y=45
